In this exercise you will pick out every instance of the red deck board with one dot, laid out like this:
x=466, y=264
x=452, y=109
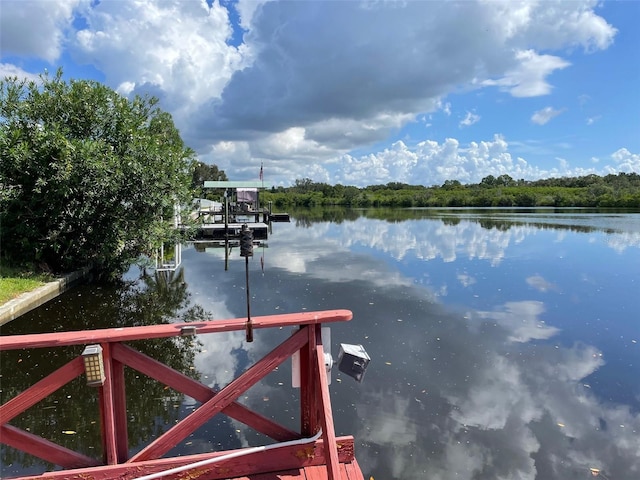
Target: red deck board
x=348, y=471
x=319, y=472
x=353, y=470
x=286, y=475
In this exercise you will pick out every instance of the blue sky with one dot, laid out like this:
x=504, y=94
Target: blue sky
x=358, y=92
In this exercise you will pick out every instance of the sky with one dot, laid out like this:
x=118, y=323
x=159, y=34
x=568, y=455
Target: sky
x=360, y=92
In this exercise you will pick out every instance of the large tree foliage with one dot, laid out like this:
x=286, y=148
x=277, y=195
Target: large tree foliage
x=203, y=172
x=87, y=176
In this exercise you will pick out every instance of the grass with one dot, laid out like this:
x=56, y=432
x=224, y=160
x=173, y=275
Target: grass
x=14, y=281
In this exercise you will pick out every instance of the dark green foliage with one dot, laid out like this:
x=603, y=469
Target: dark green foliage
x=622, y=190
x=87, y=176
x=202, y=173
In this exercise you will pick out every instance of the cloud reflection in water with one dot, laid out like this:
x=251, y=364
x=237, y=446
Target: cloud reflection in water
x=453, y=392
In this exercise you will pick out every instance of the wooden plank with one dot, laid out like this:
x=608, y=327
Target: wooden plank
x=308, y=405
x=280, y=459
x=237, y=387
x=59, y=339
x=288, y=475
x=353, y=471
x=44, y=449
x=317, y=472
x=120, y=409
x=297, y=474
x=107, y=410
x=194, y=389
x=326, y=417
x=41, y=389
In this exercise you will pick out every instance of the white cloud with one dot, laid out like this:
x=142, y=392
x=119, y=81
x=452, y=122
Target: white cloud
x=34, y=28
x=543, y=116
x=305, y=85
x=540, y=283
x=430, y=162
x=564, y=164
x=528, y=78
x=175, y=50
x=466, y=280
x=626, y=161
x=293, y=82
x=469, y=119
x=522, y=319
x=9, y=70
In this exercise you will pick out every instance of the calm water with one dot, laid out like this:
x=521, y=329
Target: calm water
x=504, y=345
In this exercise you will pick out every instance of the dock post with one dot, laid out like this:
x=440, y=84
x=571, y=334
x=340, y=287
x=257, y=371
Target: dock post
x=309, y=424
x=246, y=251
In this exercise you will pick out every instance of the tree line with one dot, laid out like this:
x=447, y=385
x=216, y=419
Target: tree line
x=621, y=190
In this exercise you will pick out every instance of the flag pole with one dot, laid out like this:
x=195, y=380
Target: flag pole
x=261, y=174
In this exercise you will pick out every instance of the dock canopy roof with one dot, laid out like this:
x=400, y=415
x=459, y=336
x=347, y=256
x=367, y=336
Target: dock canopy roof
x=240, y=184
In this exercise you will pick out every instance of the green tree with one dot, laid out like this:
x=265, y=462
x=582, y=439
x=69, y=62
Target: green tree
x=505, y=180
x=91, y=176
x=488, y=181
x=203, y=172
x=452, y=185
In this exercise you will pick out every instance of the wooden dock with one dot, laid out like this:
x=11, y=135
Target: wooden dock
x=313, y=453
x=219, y=231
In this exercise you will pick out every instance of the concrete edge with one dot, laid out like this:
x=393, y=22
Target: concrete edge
x=33, y=299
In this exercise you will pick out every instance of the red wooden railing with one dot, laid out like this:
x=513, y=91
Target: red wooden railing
x=315, y=406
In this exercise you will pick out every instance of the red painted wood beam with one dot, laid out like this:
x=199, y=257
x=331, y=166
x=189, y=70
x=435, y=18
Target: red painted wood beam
x=120, y=409
x=85, y=337
x=228, y=394
x=308, y=395
x=326, y=417
x=41, y=390
x=107, y=410
x=354, y=472
x=276, y=460
x=194, y=389
x=44, y=449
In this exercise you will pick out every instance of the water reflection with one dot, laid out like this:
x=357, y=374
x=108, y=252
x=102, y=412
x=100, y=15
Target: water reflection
x=502, y=346
x=504, y=382
x=70, y=416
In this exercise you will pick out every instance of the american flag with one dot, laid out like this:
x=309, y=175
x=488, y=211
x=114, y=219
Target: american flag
x=261, y=175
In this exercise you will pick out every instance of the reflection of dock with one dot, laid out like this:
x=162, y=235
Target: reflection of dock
x=220, y=231
x=279, y=217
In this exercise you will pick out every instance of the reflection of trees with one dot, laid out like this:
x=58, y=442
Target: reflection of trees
x=307, y=217
x=158, y=298
x=505, y=225
x=487, y=218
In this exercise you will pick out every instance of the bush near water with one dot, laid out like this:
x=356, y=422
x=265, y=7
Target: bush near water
x=87, y=176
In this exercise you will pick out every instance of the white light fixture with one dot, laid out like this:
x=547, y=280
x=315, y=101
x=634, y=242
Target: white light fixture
x=93, y=365
x=353, y=361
